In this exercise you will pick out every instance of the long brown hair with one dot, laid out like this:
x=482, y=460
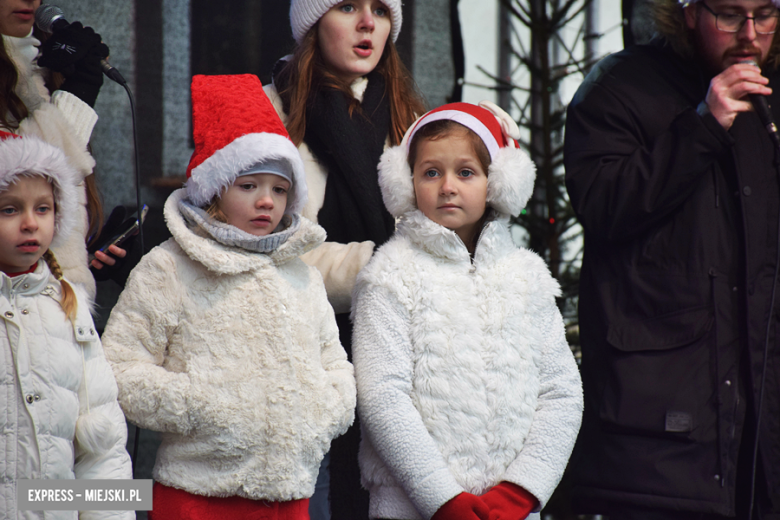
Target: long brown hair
x=669, y=19
x=307, y=71
x=10, y=103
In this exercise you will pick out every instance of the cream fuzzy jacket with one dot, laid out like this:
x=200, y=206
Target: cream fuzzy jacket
x=464, y=375
x=235, y=357
x=338, y=263
x=60, y=415
x=64, y=121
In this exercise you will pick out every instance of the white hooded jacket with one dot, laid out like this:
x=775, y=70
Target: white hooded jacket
x=60, y=415
x=235, y=357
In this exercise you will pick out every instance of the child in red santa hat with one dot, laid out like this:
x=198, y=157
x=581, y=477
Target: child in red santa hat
x=223, y=338
x=469, y=396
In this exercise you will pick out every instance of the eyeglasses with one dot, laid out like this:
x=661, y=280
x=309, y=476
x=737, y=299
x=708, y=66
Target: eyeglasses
x=765, y=23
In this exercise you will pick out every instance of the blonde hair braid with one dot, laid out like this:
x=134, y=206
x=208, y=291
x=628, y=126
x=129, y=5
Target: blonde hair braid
x=68, y=302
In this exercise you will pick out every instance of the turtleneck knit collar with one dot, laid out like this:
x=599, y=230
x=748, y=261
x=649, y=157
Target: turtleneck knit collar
x=231, y=236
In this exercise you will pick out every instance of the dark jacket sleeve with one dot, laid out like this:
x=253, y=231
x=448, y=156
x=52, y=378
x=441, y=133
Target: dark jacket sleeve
x=626, y=166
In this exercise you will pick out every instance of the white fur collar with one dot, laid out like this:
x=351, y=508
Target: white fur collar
x=494, y=241
x=359, y=87
x=233, y=260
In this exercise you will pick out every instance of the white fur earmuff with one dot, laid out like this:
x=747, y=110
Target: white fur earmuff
x=511, y=174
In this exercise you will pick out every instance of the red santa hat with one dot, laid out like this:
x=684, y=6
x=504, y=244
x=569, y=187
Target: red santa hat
x=511, y=174
x=30, y=156
x=238, y=132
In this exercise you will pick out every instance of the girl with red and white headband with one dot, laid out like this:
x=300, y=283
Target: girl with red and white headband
x=469, y=396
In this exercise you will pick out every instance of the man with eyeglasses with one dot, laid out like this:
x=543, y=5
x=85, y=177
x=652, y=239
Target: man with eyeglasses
x=675, y=181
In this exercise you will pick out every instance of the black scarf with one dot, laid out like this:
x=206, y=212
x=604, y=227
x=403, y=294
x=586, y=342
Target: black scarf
x=349, y=148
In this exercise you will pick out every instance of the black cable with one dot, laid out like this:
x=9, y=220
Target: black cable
x=137, y=169
x=140, y=226
x=760, y=406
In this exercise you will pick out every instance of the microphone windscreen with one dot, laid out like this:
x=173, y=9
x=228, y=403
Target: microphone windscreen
x=46, y=15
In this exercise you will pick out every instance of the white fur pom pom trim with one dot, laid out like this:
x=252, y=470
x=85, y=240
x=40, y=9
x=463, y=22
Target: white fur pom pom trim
x=510, y=181
x=395, y=181
x=96, y=433
x=218, y=172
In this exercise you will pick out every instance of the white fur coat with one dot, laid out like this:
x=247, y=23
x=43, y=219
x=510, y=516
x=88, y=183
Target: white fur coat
x=464, y=375
x=60, y=415
x=235, y=357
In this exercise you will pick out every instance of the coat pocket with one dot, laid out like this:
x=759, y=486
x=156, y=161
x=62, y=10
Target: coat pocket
x=658, y=376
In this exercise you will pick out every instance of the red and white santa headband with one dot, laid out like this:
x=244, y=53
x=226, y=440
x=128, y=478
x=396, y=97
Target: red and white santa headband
x=511, y=173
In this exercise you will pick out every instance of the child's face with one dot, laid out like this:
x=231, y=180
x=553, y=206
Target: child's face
x=255, y=203
x=450, y=184
x=26, y=223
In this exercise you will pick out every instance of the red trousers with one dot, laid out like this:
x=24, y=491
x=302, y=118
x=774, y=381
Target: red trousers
x=176, y=504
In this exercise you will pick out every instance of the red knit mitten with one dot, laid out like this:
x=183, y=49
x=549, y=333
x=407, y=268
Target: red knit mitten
x=508, y=501
x=463, y=507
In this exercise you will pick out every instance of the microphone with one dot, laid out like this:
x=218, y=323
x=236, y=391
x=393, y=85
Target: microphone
x=761, y=107
x=50, y=18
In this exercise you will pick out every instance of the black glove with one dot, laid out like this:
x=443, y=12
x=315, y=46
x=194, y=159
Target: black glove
x=75, y=51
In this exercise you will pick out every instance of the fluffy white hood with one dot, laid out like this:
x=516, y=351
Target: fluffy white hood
x=29, y=156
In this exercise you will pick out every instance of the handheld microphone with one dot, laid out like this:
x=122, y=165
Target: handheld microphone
x=50, y=18
x=761, y=107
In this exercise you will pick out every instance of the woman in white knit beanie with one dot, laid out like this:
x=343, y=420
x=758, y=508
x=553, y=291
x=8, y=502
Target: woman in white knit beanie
x=344, y=95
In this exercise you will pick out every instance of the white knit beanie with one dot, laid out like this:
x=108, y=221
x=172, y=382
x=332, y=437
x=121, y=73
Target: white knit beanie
x=305, y=13
x=686, y=3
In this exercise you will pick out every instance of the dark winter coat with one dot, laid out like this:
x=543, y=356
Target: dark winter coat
x=680, y=220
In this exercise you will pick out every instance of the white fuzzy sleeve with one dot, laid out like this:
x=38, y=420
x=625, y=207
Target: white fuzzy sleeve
x=135, y=341
x=382, y=354
x=540, y=464
x=339, y=265
x=341, y=374
x=69, y=132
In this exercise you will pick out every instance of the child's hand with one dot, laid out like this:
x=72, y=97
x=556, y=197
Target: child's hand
x=508, y=501
x=102, y=259
x=463, y=507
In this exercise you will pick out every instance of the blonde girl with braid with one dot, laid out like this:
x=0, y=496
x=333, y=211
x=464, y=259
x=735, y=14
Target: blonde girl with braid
x=61, y=418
